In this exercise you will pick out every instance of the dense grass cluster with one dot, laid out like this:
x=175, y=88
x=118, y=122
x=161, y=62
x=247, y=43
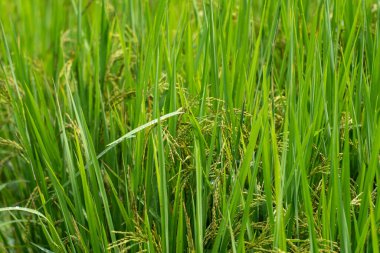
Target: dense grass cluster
x=189, y=126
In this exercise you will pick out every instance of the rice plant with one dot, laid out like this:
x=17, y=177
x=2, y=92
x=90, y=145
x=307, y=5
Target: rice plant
x=189, y=126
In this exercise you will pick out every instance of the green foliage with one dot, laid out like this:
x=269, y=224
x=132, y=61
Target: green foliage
x=189, y=126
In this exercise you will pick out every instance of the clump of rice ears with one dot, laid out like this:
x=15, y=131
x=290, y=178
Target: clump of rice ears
x=189, y=126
